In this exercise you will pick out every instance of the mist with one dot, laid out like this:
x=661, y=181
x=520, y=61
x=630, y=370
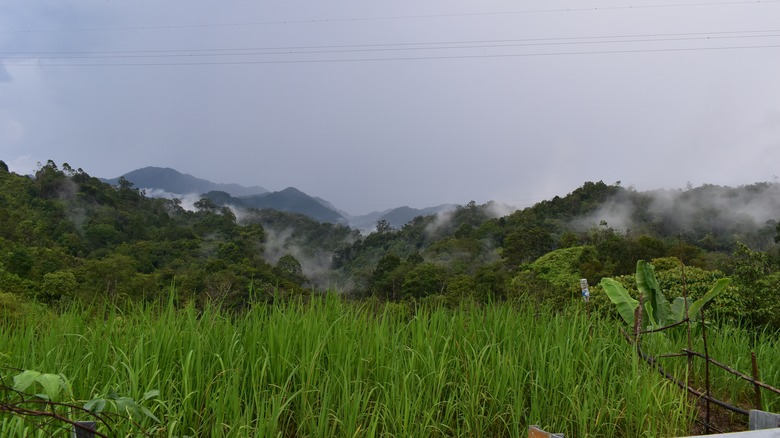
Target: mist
x=710, y=209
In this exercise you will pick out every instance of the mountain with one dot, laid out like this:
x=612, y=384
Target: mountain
x=293, y=200
x=289, y=200
x=173, y=181
x=397, y=217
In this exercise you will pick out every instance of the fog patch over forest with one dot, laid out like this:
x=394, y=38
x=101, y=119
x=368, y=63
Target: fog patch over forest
x=495, y=210
x=708, y=208
x=440, y=220
x=186, y=200
x=317, y=265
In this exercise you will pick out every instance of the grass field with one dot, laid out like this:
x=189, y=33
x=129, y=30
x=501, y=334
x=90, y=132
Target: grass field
x=332, y=368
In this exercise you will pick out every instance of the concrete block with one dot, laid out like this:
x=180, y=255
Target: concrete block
x=763, y=420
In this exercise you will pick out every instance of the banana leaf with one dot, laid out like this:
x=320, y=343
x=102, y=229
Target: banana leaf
x=658, y=308
x=616, y=293
x=695, y=308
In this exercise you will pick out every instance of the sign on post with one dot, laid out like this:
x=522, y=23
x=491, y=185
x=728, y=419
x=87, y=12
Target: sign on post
x=585, y=291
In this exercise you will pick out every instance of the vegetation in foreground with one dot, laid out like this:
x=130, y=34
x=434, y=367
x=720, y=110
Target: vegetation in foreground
x=66, y=236
x=331, y=368
x=436, y=346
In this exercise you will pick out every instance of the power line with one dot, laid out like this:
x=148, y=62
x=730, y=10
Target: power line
x=411, y=58
x=398, y=17
x=389, y=49
x=347, y=48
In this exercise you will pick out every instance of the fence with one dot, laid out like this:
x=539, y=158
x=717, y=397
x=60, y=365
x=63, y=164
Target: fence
x=690, y=354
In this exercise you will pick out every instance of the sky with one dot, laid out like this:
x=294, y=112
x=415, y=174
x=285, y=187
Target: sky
x=375, y=105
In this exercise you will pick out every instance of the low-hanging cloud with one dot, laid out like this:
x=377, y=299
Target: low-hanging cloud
x=440, y=220
x=316, y=264
x=187, y=200
x=713, y=208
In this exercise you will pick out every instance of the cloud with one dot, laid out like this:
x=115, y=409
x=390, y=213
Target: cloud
x=187, y=200
x=317, y=267
x=716, y=208
x=495, y=210
x=441, y=220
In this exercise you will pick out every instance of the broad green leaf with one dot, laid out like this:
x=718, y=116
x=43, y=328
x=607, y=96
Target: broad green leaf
x=660, y=310
x=95, y=405
x=126, y=405
x=651, y=322
x=695, y=308
x=678, y=309
x=620, y=296
x=151, y=394
x=23, y=380
x=51, y=383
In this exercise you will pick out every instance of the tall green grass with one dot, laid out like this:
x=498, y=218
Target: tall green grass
x=330, y=368
x=732, y=346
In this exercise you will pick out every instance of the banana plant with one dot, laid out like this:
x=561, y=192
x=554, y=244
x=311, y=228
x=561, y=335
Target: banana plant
x=657, y=311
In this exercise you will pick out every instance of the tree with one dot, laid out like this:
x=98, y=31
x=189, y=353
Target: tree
x=383, y=226
x=386, y=280
x=205, y=204
x=425, y=279
x=59, y=284
x=756, y=287
x=289, y=268
x=526, y=245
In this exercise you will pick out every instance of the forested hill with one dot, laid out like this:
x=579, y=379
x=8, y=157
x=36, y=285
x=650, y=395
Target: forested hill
x=65, y=235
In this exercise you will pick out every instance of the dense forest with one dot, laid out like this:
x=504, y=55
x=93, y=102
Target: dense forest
x=66, y=236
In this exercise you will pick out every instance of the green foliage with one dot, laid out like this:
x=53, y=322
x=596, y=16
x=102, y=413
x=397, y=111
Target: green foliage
x=67, y=235
x=53, y=385
x=51, y=397
x=326, y=367
x=626, y=305
x=59, y=284
x=424, y=279
x=554, y=277
x=657, y=311
x=289, y=268
x=64, y=225
x=755, y=295
x=123, y=405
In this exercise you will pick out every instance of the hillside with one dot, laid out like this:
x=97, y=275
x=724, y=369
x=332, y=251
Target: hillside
x=170, y=183
x=67, y=235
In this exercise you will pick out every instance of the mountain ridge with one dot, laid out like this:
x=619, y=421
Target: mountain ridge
x=172, y=181
x=291, y=200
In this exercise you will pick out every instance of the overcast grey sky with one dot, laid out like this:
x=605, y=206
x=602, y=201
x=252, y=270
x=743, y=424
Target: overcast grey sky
x=373, y=105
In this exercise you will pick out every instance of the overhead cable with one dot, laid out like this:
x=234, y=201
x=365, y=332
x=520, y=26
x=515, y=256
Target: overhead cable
x=399, y=17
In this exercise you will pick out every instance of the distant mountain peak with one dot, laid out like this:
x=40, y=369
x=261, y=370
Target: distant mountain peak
x=173, y=181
